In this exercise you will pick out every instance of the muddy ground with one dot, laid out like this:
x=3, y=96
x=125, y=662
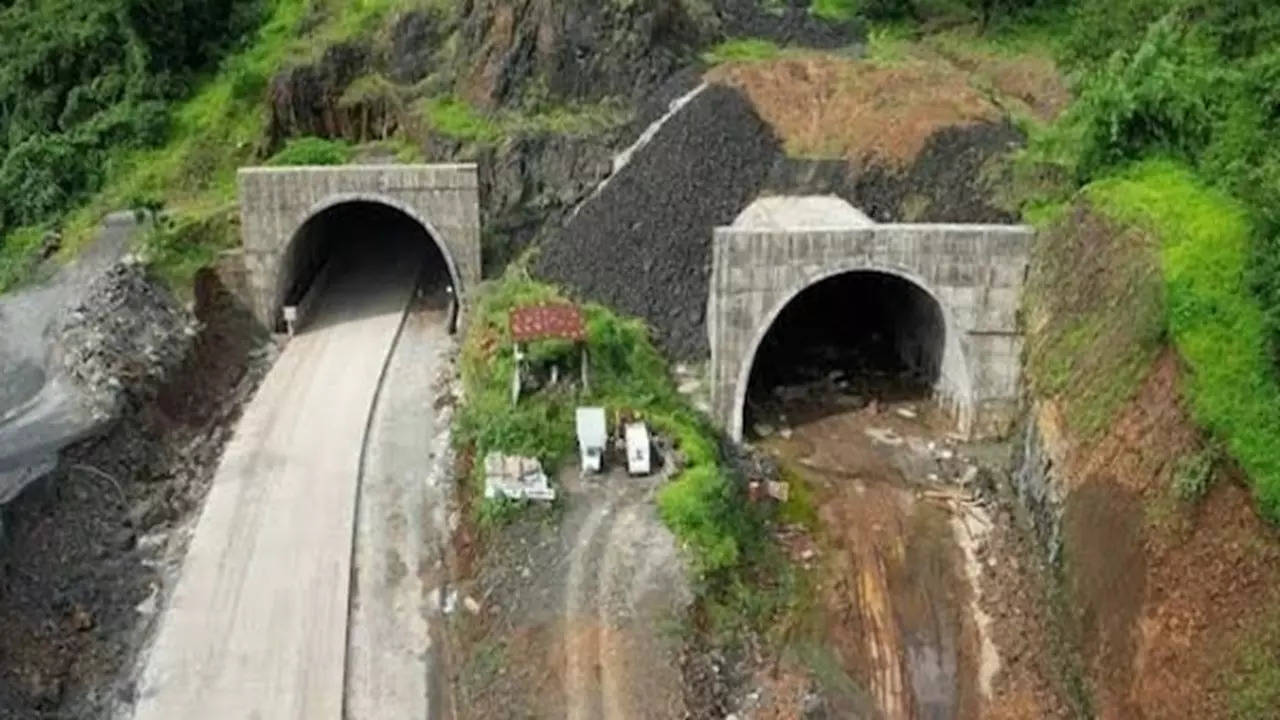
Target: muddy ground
x=928, y=601
x=575, y=611
x=88, y=550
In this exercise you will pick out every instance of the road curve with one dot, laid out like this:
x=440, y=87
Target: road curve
x=256, y=626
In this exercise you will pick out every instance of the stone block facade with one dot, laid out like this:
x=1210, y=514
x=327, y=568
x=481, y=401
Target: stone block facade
x=974, y=272
x=276, y=202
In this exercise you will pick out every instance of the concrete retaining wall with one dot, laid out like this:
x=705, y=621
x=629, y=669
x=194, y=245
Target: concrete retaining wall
x=276, y=202
x=974, y=272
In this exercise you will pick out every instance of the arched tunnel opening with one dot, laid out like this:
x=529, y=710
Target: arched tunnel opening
x=359, y=244
x=844, y=342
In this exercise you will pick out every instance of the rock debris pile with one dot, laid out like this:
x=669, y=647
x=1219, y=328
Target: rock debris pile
x=124, y=338
x=643, y=243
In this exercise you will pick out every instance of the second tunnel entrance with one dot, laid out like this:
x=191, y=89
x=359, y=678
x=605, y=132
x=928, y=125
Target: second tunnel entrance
x=865, y=335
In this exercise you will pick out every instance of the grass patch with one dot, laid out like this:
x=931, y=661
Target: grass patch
x=457, y=119
x=1253, y=682
x=454, y=117
x=19, y=257
x=312, y=151
x=836, y=11
x=1080, y=351
x=742, y=50
x=1214, y=319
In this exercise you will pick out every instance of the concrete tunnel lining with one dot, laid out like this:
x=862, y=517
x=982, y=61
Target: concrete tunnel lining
x=312, y=239
x=276, y=201
x=952, y=386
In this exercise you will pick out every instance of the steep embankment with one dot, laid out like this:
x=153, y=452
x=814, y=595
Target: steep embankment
x=1142, y=354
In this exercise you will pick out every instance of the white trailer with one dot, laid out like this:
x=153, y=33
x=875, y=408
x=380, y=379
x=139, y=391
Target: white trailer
x=638, y=462
x=592, y=438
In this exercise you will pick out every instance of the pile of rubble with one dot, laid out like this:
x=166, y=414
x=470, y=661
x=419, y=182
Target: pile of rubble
x=123, y=338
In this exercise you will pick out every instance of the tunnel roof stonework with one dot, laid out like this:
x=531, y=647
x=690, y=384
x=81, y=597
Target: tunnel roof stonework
x=276, y=202
x=974, y=272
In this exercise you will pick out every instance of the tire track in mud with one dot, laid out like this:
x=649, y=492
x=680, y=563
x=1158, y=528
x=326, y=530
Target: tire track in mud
x=624, y=578
x=582, y=648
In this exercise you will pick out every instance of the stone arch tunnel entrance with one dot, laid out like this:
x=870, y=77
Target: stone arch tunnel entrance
x=855, y=337
x=357, y=236
x=295, y=218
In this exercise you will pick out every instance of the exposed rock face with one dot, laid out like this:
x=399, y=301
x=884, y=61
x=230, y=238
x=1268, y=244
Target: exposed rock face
x=306, y=100
x=586, y=49
x=415, y=38
x=580, y=49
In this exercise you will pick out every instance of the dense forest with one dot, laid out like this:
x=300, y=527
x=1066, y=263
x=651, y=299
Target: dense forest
x=80, y=80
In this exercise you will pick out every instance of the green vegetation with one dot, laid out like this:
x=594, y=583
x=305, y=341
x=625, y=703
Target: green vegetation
x=93, y=119
x=312, y=151
x=455, y=118
x=836, y=10
x=742, y=50
x=18, y=256
x=1193, y=475
x=81, y=80
x=1213, y=318
x=1080, y=350
x=1253, y=682
x=627, y=373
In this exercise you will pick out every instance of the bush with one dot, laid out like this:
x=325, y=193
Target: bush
x=312, y=151
x=702, y=505
x=1193, y=475
x=1163, y=98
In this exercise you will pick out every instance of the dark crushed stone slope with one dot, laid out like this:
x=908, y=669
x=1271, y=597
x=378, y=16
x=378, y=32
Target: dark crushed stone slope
x=642, y=245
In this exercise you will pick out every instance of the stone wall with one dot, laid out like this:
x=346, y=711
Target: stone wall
x=276, y=202
x=974, y=272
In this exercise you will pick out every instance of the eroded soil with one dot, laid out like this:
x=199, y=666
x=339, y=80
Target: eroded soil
x=923, y=607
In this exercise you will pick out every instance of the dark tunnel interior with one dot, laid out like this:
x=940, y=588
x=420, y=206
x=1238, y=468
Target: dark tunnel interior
x=349, y=237
x=867, y=334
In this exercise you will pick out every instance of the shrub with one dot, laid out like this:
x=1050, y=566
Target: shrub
x=1160, y=99
x=1193, y=475
x=312, y=151
x=702, y=505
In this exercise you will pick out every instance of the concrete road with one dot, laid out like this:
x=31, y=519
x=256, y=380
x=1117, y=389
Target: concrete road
x=256, y=628
x=396, y=653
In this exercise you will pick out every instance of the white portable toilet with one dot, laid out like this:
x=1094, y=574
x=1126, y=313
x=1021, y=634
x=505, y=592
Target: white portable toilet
x=638, y=449
x=592, y=437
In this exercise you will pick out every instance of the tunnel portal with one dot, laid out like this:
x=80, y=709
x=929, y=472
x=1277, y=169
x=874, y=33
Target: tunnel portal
x=953, y=323
x=878, y=335
x=292, y=218
x=348, y=236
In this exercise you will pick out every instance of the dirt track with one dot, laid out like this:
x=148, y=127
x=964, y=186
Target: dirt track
x=576, y=612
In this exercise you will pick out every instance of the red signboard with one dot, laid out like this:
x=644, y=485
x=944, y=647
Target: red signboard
x=540, y=322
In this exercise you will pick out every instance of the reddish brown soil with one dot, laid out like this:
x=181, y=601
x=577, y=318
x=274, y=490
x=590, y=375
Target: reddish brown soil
x=890, y=574
x=1165, y=591
x=832, y=107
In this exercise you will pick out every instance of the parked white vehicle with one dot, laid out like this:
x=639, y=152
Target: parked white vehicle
x=592, y=437
x=638, y=461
